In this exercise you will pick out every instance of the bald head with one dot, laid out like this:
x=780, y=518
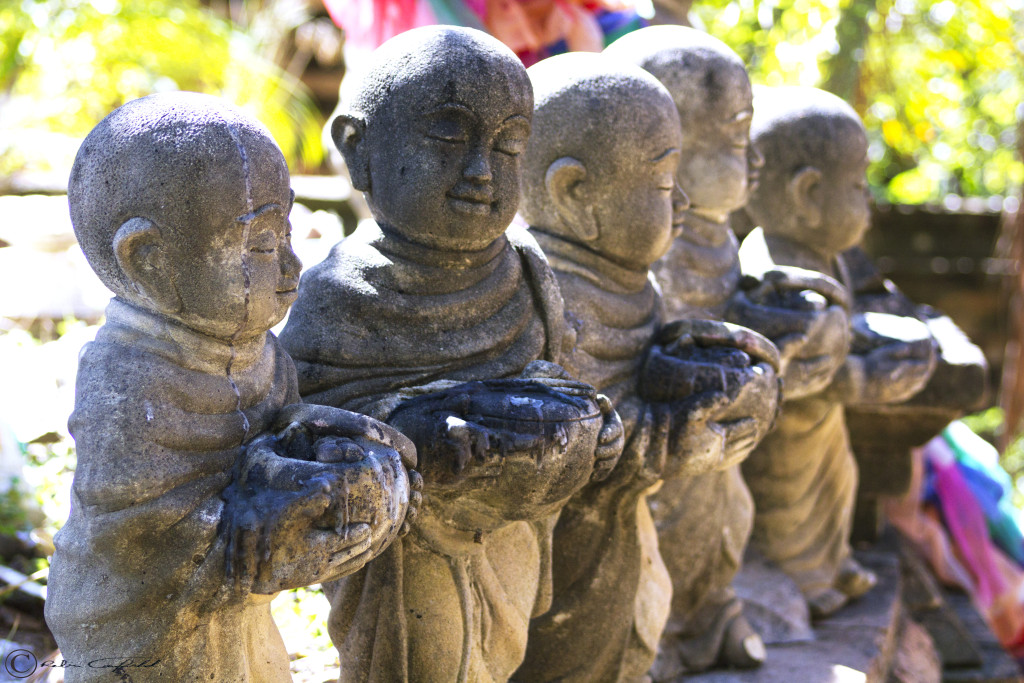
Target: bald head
x=594, y=110
x=432, y=59
x=709, y=85
x=697, y=69
x=183, y=162
x=797, y=129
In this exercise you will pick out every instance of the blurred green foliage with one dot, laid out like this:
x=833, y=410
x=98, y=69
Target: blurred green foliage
x=65, y=64
x=940, y=84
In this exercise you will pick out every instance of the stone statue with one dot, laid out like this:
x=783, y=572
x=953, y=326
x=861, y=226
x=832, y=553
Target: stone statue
x=447, y=323
x=704, y=519
x=882, y=435
x=812, y=205
x=601, y=198
x=202, y=486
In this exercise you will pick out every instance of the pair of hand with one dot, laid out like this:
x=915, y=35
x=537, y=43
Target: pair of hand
x=719, y=384
x=891, y=359
x=319, y=498
x=806, y=315
x=455, y=448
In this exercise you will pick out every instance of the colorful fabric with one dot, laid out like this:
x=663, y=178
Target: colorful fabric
x=533, y=29
x=966, y=488
x=992, y=486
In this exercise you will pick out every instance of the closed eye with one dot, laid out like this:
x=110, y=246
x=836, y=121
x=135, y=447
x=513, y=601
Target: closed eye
x=447, y=132
x=512, y=145
x=512, y=136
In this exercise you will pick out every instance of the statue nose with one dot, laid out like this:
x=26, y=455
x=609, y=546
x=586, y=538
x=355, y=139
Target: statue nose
x=478, y=166
x=680, y=201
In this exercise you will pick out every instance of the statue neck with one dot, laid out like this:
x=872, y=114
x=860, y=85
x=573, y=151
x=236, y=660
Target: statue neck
x=790, y=251
x=188, y=348
x=570, y=256
x=705, y=231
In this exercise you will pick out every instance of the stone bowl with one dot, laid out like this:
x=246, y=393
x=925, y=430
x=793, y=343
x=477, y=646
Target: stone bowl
x=373, y=489
x=696, y=358
x=811, y=328
x=539, y=447
x=691, y=357
x=873, y=331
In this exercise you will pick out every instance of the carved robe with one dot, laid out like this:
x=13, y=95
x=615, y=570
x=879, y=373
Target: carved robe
x=611, y=590
x=700, y=272
x=803, y=477
x=381, y=316
x=161, y=414
x=703, y=521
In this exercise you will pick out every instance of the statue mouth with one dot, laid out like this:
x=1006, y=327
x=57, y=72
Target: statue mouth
x=476, y=204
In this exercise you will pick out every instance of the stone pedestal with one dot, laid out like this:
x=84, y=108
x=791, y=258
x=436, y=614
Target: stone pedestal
x=907, y=630
x=860, y=642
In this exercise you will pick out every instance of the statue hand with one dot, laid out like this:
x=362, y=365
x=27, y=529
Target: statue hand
x=774, y=284
x=302, y=521
x=720, y=383
x=301, y=424
x=281, y=529
x=301, y=553
x=806, y=315
x=890, y=374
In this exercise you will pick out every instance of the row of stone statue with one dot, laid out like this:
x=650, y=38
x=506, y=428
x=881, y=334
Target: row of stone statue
x=540, y=477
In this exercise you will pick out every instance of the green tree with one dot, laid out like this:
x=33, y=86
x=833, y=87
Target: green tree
x=939, y=83
x=65, y=64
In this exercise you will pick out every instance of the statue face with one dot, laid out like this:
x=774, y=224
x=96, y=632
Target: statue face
x=846, y=211
x=445, y=158
x=640, y=207
x=716, y=160
x=236, y=274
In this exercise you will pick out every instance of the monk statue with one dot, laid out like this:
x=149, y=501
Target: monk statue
x=203, y=487
x=704, y=519
x=448, y=324
x=812, y=205
x=883, y=434
x=601, y=197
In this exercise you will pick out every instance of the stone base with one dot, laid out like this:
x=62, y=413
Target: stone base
x=907, y=630
x=858, y=644
x=967, y=648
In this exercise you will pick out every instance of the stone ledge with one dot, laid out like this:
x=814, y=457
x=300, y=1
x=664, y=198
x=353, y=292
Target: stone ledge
x=858, y=644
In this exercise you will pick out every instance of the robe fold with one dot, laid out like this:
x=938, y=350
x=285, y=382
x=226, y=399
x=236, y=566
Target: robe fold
x=161, y=415
x=700, y=272
x=704, y=521
x=611, y=591
x=804, y=479
x=389, y=314
x=382, y=316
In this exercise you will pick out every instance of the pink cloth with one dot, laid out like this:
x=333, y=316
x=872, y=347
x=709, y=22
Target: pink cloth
x=960, y=549
x=966, y=523
x=368, y=23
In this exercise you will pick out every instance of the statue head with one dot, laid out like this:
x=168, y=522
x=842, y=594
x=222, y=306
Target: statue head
x=600, y=165
x=712, y=93
x=180, y=202
x=432, y=133
x=812, y=189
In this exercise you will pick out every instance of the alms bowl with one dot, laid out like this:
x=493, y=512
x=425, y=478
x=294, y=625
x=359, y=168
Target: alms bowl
x=535, y=447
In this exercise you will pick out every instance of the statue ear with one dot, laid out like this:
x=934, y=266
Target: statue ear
x=565, y=185
x=805, y=196
x=140, y=252
x=349, y=133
